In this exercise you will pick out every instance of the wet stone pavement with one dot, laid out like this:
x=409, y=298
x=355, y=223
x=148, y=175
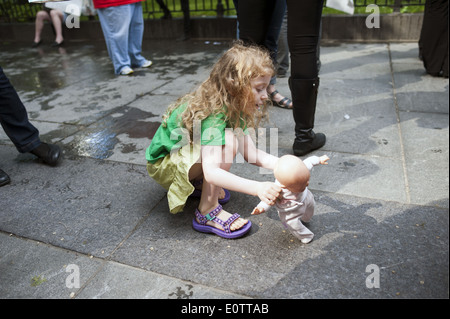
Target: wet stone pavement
x=381, y=203
x=73, y=90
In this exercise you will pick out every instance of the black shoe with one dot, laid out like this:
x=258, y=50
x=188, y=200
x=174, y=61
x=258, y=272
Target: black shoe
x=56, y=44
x=4, y=178
x=303, y=146
x=49, y=153
x=36, y=44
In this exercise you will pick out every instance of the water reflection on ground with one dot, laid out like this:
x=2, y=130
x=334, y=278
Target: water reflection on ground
x=74, y=98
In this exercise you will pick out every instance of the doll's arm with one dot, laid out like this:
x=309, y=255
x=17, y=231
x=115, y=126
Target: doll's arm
x=323, y=159
x=312, y=161
x=261, y=208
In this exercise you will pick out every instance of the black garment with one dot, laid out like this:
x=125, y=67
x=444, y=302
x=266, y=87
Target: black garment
x=304, y=21
x=4, y=178
x=186, y=18
x=262, y=26
x=14, y=118
x=433, y=42
x=254, y=17
x=162, y=5
x=304, y=93
x=304, y=26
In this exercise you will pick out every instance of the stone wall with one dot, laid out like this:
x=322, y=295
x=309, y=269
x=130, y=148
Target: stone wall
x=340, y=28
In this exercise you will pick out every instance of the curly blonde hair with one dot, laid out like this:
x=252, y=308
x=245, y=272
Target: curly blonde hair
x=228, y=89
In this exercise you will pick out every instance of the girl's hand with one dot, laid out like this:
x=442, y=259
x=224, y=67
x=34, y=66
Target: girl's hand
x=268, y=192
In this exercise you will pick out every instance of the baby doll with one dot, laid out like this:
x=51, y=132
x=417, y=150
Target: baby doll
x=297, y=202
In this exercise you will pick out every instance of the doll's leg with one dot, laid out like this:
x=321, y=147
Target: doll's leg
x=309, y=207
x=211, y=192
x=294, y=225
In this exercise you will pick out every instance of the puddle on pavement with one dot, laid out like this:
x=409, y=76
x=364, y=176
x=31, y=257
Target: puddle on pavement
x=100, y=140
x=48, y=70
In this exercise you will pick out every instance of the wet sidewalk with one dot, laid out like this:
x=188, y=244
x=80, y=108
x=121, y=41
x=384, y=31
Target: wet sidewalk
x=98, y=220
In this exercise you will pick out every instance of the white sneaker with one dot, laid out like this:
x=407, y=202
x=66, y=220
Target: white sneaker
x=126, y=70
x=147, y=64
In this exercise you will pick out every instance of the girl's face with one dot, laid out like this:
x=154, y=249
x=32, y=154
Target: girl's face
x=259, y=89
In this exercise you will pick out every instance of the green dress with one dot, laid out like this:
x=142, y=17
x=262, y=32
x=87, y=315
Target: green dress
x=171, y=153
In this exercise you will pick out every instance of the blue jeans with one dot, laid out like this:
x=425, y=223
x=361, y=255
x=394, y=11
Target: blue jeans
x=123, y=28
x=14, y=118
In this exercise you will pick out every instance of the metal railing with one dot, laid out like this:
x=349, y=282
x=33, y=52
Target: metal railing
x=22, y=11
x=217, y=8
x=396, y=5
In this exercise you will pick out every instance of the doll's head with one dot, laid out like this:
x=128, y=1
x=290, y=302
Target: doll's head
x=292, y=173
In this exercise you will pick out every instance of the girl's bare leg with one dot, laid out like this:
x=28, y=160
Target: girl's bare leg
x=196, y=174
x=210, y=192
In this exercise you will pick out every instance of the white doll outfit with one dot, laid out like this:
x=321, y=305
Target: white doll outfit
x=293, y=208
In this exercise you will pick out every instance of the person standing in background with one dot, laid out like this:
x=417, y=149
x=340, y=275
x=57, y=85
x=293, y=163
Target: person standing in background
x=167, y=15
x=433, y=42
x=123, y=28
x=14, y=120
x=56, y=18
x=304, y=20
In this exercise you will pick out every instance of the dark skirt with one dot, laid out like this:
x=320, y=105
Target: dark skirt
x=433, y=42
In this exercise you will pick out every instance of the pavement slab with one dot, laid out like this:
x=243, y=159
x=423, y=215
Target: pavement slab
x=381, y=220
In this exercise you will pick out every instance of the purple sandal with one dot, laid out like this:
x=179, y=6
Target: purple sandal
x=197, y=193
x=226, y=233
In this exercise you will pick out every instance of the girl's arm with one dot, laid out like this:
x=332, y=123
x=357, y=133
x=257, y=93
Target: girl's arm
x=212, y=159
x=254, y=155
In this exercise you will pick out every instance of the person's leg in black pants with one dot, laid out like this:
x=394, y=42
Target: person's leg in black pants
x=254, y=20
x=260, y=23
x=303, y=35
x=433, y=41
x=14, y=120
x=165, y=9
x=186, y=19
x=304, y=18
x=271, y=42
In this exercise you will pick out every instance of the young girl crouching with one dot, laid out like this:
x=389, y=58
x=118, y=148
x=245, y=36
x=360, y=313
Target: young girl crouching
x=201, y=134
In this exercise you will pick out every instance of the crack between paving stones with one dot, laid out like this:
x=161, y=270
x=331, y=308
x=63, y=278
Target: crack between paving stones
x=399, y=128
